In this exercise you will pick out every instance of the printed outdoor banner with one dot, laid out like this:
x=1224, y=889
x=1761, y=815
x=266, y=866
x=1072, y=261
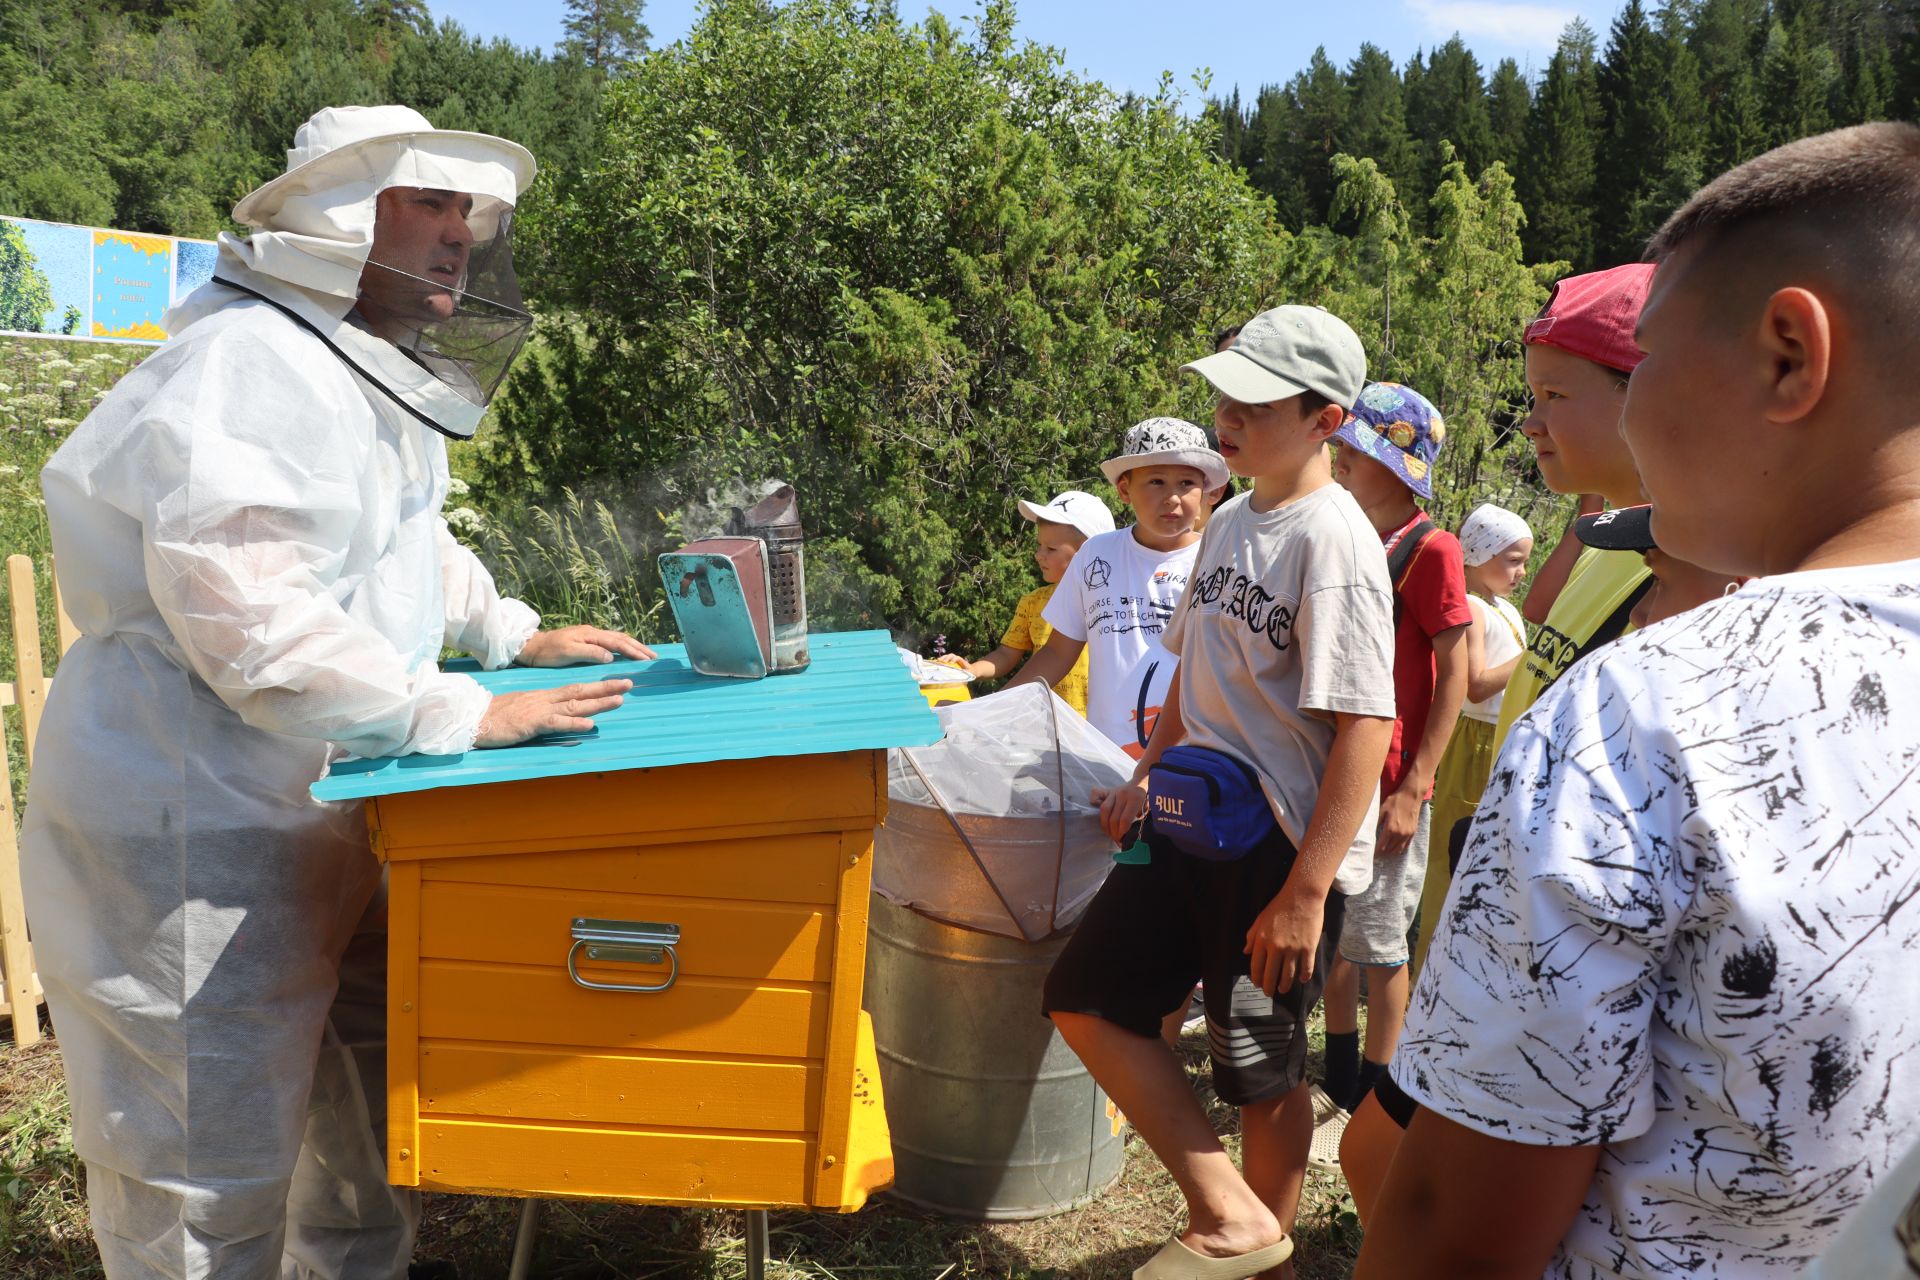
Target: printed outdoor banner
x=83, y=282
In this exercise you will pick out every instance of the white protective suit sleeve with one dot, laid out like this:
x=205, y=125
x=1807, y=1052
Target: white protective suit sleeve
x=480, y=621
x=248, y=529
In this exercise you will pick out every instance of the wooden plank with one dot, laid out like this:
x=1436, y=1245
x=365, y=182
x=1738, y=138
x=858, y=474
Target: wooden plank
x=462, y=1001
x=16, y=956
x=801, y=793
x=800, y=868
x=868, y=1165
x=403, y=1022
x=758, y=1171
x=843, y=1016
x=63, y=626
x=518, y=1082
x=29, y=678
x=521, y=925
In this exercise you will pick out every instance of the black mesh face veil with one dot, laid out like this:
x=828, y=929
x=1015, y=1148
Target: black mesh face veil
x=471, y=349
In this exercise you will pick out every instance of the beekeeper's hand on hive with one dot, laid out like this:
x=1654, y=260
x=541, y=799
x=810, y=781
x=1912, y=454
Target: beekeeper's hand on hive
x=249, y=537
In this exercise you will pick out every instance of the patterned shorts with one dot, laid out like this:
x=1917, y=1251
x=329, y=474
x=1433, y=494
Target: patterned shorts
x=1153, y=930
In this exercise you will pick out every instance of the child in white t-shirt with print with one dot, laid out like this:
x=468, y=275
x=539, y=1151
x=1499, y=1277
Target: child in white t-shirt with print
x=1118, y=595
x=1668, y=1025
x=1495, y=543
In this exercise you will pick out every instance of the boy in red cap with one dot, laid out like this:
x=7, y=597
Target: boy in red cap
x=1667, y=1027
x=1580, y=352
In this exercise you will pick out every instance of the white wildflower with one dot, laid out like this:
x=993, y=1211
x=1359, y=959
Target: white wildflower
x=458, y=488
x=465, y=521
x=67, y=384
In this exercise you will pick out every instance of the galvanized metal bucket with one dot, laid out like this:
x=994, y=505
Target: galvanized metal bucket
x=992, y=1115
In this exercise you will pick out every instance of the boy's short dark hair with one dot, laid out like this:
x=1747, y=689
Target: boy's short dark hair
x=1312, y=402
x=1846, y=202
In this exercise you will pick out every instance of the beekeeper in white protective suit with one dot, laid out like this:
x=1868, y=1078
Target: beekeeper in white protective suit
x=249, y=537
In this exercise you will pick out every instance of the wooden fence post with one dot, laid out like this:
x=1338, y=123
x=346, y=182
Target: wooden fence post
x=17, y=981
x=29, y=680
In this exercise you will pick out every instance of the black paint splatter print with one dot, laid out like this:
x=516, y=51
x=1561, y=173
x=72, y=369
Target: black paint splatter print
x=1686, y=928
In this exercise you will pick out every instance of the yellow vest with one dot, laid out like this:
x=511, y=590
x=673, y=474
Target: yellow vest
x=1601, y=582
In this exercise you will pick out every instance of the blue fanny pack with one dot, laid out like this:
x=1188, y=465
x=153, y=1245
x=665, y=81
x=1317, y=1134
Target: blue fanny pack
x=1208, y=803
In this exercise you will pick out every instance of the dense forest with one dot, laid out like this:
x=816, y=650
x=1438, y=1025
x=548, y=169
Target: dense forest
x=1607, y=140
x=156, y=115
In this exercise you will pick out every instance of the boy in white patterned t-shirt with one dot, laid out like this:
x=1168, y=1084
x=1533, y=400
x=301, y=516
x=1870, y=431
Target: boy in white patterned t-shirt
x=1667, y=1025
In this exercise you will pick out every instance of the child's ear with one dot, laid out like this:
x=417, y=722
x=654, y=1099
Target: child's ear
x=1326, y=422
x=1213, y=495
x=1123, y=486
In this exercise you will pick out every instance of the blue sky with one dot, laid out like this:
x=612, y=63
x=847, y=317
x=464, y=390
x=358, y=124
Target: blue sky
x=1127, y=43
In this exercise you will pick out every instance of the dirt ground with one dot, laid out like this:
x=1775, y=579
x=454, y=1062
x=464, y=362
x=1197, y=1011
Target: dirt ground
x=44, y=1235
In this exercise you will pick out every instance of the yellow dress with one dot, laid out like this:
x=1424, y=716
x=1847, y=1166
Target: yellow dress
x=1029, y=632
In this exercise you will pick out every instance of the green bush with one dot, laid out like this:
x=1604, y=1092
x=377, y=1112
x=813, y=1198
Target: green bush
x=917, y=273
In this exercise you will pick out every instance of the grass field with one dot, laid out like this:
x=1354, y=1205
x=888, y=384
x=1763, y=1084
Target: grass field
x=43, y=1224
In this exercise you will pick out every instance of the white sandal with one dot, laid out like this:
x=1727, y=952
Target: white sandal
x=1176, y=1261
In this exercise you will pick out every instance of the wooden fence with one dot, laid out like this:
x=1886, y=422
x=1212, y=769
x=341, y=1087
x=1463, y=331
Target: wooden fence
x=19, y=986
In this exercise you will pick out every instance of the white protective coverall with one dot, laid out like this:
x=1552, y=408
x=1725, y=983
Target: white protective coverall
x=249, y=538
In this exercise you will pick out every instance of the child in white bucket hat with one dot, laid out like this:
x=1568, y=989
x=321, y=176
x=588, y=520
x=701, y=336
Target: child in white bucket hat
x=1117, y=595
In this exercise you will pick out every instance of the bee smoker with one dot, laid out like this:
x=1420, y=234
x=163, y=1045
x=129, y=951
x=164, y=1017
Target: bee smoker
x=775, y=520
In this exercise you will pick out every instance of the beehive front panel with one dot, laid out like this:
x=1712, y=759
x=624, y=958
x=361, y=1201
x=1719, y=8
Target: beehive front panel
x=538, y=1067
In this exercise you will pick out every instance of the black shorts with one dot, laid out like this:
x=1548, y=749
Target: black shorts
x=1154, y=930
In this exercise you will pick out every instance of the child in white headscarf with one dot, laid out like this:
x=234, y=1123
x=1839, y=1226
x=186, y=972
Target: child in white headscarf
x=1496, y=544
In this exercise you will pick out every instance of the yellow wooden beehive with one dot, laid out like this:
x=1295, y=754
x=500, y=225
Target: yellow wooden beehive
x=641, y=981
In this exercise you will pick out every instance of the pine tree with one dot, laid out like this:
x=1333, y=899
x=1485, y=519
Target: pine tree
x=1723, y=42
x=1797, y=78
x=607, y=34
x=1508, y=99
x=1636, y=128
x=1377, y=116
x=1449, y=104
x=1231, y=121
x=1560, y=154
x=1274, y=165
x=397, y=15
x=1319, y=101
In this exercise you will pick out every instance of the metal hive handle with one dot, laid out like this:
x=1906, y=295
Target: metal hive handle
x=624, y=942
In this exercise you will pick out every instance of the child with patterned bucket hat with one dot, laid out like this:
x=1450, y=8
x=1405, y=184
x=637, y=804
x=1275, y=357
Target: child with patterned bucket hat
x=1387, y=449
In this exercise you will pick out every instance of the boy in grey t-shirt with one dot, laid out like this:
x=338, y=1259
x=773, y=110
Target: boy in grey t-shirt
x=1282, y=701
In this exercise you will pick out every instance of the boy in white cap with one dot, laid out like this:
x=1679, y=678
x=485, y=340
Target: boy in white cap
x=1061, y=527
x=1121, y=588
x=1261, y=778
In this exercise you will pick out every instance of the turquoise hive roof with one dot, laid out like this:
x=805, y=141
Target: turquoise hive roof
x=856, y=696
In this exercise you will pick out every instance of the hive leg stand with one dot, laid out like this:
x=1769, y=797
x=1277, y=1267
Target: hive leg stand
x=756, y=1244
x=523, y=1239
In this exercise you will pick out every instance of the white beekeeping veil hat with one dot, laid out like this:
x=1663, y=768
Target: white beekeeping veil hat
x=313, y=229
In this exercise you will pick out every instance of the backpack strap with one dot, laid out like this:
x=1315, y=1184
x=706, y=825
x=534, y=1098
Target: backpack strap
x=1401, y=559
x=1615, y=624
x=1406, y=551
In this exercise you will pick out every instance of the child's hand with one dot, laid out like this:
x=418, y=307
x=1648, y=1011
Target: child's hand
x=954, y=660
x=1121, y=807
x=1399, y=817
x=1282, y=942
